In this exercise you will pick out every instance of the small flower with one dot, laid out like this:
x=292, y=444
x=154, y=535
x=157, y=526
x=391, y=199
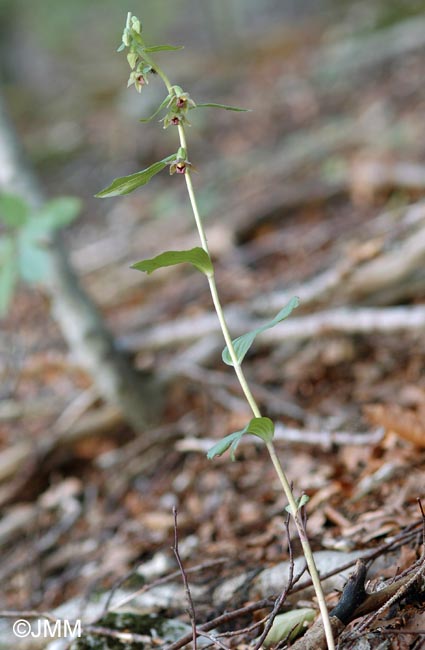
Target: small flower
x=175, y=120
x=139, y=77
x=179, y=101
x=179, y=166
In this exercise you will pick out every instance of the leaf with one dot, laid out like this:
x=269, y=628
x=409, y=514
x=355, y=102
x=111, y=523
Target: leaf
x=224, y=106
x=289, y=625
x=13, y=210
x=127, y=184
x=8, y=273
x=55, y=214
x=158, y=110
x=262, y=428
x=304, y=498
x=163, y=48
x=231, y=441
x=33, y=259
x=244, y=342
x=195, y=256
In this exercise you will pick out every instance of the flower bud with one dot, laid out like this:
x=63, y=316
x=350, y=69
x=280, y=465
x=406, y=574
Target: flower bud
x=135, y=24
x=126, y=38
x=132, y=59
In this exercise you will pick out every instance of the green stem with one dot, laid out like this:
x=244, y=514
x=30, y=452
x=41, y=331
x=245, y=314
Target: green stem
x=308, y=554
x=214, y=293
x=155, y=67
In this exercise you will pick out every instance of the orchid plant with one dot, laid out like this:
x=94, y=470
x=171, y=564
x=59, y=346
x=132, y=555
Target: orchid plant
x=175, y=109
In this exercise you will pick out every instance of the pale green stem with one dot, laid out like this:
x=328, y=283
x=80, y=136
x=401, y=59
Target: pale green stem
x=308, y=554
x=251, y=401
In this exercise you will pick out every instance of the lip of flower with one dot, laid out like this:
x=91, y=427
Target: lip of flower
x=181, y=168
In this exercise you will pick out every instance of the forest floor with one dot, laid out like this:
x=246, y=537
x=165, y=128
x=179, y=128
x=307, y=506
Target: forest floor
x=316, y=193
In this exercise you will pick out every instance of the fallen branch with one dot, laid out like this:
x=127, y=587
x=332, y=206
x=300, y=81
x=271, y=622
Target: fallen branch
x=344, y=320
x=81, y=324
x=324, y=439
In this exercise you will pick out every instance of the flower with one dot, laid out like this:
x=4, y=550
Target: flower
x=139, y=76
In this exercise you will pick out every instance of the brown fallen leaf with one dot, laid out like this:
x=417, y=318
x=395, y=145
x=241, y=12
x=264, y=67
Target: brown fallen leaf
x=406, y=423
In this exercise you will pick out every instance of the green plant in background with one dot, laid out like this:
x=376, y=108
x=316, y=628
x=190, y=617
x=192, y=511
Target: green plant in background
x=176, y=106
x=24, y=240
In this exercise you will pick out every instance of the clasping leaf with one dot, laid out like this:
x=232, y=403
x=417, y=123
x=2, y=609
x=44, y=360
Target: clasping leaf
x=261, y=427
x=302, y=501
x=163, y=48
x=244, y=342
x=223, y=106
x=162, y=105
x=195, y=256
x=127, y=184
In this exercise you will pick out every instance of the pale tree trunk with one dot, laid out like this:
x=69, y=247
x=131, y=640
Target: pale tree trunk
x=82, y=326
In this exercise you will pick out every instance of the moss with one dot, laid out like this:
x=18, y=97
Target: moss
x=150, y=625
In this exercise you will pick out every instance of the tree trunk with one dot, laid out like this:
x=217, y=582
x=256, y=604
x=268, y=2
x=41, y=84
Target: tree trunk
x=82, y=326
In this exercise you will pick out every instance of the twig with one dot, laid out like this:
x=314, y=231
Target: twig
x=175, y=548
x=223, y=619
x=257, y=624
x=398, y=588
x=325, y=439
x=127, y=637
x=281, y=598
x=345, y=320
x=27, y=613
x=214, y=639
x=151, y=585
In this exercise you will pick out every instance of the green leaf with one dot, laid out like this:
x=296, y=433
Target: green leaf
x=8, y=273
x=231, y=441
x=244, y=342
x=195, y=256
x=33, y=259
x=158, y=110
x=163, y=48
x=55, y=214
x=304, y=498
x=287, y=626
x=127, y=184
x=262, y=428
x=13, y=210
x=224, y=106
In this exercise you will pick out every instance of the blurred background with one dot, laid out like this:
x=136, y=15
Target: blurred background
x=316, y=192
